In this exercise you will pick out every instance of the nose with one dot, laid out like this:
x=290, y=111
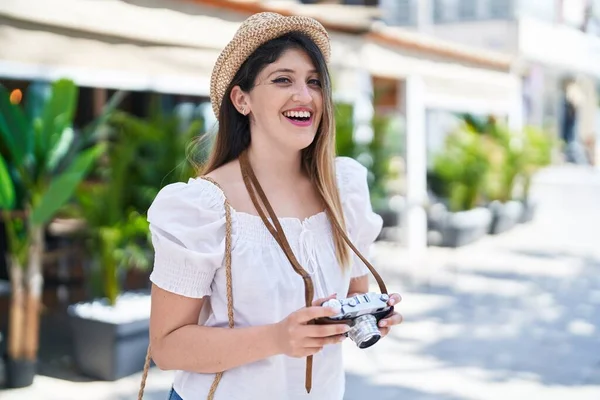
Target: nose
x=302, y=94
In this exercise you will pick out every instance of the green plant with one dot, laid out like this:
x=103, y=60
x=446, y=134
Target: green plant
x=381, y=149
x=506, y=157
x=143, y=156
x=116, y=239
x=537, y=153
x=42, y=163
x=461, y=168
x=376, y=154
x=162, y=156
x=345, y=144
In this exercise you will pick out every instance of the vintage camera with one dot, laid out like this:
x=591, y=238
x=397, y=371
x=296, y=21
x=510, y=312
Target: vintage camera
x=362, y=313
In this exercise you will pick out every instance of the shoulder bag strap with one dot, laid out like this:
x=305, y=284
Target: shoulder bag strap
x=227, y=256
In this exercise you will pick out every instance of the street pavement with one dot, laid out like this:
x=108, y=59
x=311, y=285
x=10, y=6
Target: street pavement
x=512, y=316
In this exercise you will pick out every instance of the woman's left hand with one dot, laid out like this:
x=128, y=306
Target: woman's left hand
x=393, y=319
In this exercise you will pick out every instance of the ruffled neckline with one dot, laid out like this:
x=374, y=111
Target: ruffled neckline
x=217, y=194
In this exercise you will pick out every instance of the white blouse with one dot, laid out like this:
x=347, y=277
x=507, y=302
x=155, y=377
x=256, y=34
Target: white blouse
x=187, y=222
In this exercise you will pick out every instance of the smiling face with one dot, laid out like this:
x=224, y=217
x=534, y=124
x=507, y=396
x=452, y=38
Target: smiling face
x=286, y=103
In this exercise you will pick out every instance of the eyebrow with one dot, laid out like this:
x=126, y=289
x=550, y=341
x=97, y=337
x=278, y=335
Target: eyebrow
x=290, y=71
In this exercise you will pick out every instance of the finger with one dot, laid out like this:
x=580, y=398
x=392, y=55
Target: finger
x=320, y=342
x=318, y=302
x=395, y=298
x=394, y=319
x=384, y=331
x=309, y=313
x=321, y=331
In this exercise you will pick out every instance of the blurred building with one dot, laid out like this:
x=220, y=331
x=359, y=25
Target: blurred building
x=557, y=43
x=169, y=47
x=147, y=47
x=425, y=83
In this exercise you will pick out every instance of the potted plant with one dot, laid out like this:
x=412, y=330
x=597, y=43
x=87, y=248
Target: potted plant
x=537, y=153
x=110, y=333
x=457, y=178
x=505, y=152
x=386, y=143
x=42, y=161
x=376, y=155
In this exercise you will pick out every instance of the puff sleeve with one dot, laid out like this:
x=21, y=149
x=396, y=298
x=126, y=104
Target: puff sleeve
x=362, y=223
x=187, y=226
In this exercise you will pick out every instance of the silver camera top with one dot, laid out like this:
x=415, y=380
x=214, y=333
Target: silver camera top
x=361, y=304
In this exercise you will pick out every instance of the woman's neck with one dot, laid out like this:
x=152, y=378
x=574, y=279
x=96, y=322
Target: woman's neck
x=275, y=166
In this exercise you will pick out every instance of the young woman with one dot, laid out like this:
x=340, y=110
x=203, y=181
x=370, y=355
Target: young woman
x=271, y=91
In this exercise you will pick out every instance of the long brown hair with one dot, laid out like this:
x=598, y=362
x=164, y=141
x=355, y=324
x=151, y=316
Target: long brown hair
x=318, y=159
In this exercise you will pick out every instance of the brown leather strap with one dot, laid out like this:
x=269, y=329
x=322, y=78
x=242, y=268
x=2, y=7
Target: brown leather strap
x=227, y=257
x=279, y=234
x=372, y=269
x=253, y=187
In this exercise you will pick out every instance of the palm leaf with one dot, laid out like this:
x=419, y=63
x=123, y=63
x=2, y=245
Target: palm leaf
x=15, y=132
x=62, y=188
x=57, y=114
x=60, y=148
x=7, y=189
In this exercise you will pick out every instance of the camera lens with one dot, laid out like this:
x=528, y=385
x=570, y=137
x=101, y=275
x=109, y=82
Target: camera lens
x=364, y=332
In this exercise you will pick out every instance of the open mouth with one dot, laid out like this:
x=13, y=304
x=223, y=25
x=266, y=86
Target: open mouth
x=299, y=118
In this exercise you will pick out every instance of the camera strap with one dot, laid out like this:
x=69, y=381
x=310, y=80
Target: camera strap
x=274, y=227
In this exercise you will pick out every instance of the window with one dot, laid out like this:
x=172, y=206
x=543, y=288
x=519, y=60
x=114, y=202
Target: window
x=500, y=9
x=398, y=12
x=467, y=9
x=543, y=10
x=445, y=10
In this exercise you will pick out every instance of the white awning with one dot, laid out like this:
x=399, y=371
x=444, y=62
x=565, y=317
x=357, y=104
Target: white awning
x=117, y=44
x=27, y=54
x=448, y=85
x=111, y=44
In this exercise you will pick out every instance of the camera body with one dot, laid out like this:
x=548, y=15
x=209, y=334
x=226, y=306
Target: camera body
x=361, y=312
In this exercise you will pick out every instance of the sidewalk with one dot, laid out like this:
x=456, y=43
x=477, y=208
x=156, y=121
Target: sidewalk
x=515, y=316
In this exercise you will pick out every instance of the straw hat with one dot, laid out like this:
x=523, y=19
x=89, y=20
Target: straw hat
x=255, y=31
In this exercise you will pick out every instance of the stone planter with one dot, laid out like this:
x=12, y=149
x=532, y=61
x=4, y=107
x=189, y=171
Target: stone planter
x=504, y=215
x=529, y=210
x=455, y=229
x=19, y=373
x=110, y=343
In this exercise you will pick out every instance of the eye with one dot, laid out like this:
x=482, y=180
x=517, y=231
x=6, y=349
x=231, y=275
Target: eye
x=315, y=82
x=281, y=80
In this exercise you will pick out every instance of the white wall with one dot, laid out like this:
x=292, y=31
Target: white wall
x=559, y=46
x=494, y=35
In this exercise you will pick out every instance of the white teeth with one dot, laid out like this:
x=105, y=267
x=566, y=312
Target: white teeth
x=297, y=114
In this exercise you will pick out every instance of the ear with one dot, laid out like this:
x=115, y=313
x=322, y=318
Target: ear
x=240, y=100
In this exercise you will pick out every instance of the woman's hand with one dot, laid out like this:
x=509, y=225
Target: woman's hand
x=385, y=324
x=297, y=338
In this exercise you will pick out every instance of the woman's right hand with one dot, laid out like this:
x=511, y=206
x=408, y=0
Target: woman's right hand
x=297, y=338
